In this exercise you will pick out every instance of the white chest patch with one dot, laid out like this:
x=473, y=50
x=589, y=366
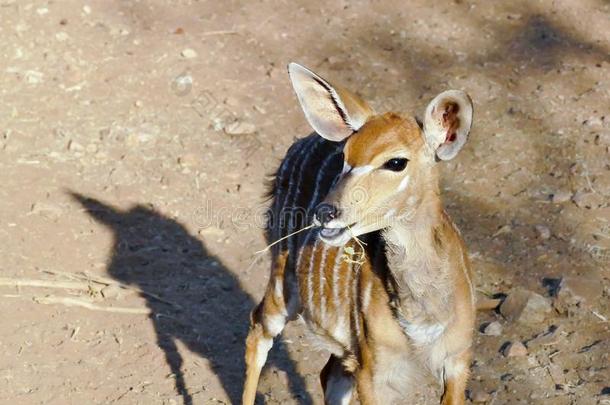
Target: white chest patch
x=423, y=334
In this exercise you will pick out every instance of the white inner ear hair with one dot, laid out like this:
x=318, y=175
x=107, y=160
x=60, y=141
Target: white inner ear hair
x=360, y=170
x=346, y=168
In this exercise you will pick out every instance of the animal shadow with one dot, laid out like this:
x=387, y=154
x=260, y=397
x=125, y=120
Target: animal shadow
x=201, y=302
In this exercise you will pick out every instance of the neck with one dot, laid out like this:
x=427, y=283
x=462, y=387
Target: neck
x=416, y=263
x=415, y=229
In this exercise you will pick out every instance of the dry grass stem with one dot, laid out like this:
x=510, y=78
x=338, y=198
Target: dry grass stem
x=285, y=237
x=350, y=255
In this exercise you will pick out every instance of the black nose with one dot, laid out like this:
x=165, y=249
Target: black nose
x=326, y=213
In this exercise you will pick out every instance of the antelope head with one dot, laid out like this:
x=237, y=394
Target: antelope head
x=389, y=159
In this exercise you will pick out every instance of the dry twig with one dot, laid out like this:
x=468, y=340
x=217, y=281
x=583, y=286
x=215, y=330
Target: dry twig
x=219, y=32
x=24, y=282
x=78, y=302
x=108, y=281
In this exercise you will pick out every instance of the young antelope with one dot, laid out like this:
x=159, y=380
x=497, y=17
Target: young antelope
x=383, y=280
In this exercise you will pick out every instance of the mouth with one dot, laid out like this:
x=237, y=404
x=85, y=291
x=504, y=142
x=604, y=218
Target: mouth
x=332, y=234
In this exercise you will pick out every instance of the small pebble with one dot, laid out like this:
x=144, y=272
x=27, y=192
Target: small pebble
x=583, y=199
x=479, y=396
x=46, y=209
x=515, y=349
x=240, y=128
x=212, y=231
x=61, y=36
x=504, y=229
x=112, y=291
x=33, y=77
x=182, y=84
x=543, y=232
x=74, y=146
x=492, y=329
x=549, y=337
x=561, y=197
x=188, y=53
x=578, y=289
x=525, y=306
x=189, y=160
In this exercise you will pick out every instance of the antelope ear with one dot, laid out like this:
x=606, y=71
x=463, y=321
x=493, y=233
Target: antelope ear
x=447, y=123
x=334, y=113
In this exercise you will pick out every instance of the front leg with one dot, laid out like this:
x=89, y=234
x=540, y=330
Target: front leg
x=267, y=321
x=364, y=376
x=337, y=382
x=455, y=375
x=366, y=389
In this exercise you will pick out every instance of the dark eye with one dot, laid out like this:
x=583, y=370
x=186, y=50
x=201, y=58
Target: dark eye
x=396, y=164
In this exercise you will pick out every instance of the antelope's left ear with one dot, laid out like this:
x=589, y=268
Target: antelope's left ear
x=333, y=112
x=447, y=123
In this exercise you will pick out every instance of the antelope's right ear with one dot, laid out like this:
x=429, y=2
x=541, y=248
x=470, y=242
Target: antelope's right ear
x=447, y=123
x=332, y=112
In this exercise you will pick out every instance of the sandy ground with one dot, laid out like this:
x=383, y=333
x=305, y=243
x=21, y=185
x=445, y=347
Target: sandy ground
x=135, y=137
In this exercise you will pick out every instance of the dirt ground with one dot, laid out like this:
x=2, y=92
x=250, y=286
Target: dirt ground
x=135, y=137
